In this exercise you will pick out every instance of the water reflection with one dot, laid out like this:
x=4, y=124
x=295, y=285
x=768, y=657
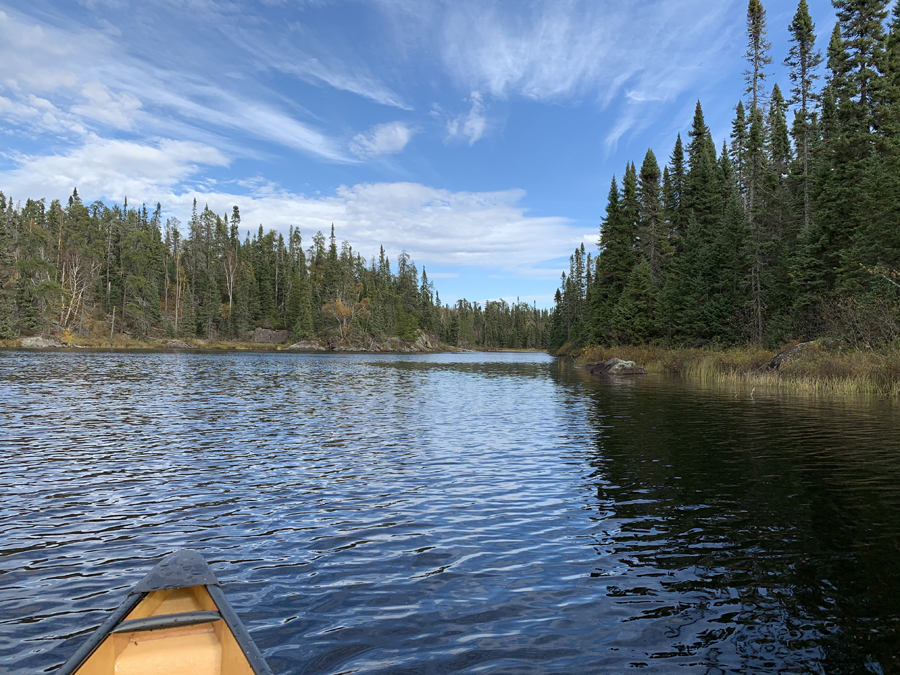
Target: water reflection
x=758, y=532
x=451, y=513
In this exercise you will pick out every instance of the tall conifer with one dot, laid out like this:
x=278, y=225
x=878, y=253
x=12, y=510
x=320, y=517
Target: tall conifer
x=757, y=54
x=802, y=61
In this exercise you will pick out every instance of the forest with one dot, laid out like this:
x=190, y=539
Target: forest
x=93, y=271
x=790, y=230
x=787, y=231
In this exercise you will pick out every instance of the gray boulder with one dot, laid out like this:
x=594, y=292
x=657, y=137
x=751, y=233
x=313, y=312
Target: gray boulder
x=40, y=342
x=179, y=344
x=269, y=337
x=616, y=368
x=426, y=342
x=307, y=346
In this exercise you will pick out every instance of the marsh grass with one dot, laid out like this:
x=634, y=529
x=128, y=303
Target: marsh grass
x=814, y=369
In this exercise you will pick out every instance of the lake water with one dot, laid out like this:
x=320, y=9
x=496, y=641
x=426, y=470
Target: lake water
x=452, y=513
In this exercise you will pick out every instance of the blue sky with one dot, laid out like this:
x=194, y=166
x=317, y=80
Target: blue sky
x=478, y=136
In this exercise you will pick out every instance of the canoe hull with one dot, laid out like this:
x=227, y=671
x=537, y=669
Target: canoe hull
x=176, y=621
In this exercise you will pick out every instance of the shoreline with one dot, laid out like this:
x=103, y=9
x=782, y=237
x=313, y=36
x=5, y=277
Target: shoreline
x=200, y=346
x=811, y=369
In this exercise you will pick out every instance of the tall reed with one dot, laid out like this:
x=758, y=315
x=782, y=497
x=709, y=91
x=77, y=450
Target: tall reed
x=815, y=369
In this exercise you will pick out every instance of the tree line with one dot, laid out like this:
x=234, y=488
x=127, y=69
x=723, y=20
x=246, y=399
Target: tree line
x=98, y=270
x=790, y=230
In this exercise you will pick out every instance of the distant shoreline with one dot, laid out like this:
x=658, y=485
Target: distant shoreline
x=127, y=344
x=133, y=345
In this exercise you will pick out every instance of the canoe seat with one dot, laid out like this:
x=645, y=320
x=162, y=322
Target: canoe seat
x=198, y=652
x=163, y=621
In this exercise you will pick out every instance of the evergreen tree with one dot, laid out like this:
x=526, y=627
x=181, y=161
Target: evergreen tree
x=655, y=241
x=757, y=54
x=739, y=138
x=614, y=264
x=802, y=61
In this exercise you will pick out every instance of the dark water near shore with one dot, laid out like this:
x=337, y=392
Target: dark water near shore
x=474, y=513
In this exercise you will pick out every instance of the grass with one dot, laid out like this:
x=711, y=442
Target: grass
x=814, y=370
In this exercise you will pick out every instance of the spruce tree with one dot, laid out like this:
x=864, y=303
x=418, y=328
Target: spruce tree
x=614, y=264
x=633, y=316
x=739, y=137
x=7, y=306
x=653, y=237
x=757, y=54
x=702, y=195
x=675, y=192
x=802, y=61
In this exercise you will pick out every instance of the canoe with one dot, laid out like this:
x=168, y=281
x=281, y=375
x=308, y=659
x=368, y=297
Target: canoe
x=176, y=621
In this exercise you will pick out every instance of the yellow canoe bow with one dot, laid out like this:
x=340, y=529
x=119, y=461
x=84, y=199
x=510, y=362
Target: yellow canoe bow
x=176, y=621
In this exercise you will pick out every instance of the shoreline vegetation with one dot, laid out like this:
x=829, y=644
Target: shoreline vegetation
x=815, y=368
x=95, y=274
x=427, y=343
x=783, y=233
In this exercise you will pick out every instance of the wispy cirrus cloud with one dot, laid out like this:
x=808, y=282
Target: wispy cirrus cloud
x=80, y=81
x=570, y=51
x=283, y=55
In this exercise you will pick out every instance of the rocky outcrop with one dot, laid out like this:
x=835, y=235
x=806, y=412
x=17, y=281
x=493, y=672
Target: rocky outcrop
x=179, y=344
x=306, y=346
x=426, y=342
x=616, y=368
x=787, y=356
x=269, y=337
x=40, y=342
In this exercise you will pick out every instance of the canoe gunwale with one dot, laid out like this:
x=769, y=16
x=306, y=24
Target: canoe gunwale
x=87, y=648
x=182, y=569
x=239, y=631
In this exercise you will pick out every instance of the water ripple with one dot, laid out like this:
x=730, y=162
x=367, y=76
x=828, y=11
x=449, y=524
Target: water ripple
x=451, y=513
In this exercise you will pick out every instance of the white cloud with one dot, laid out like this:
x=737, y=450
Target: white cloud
x=64, y=69
x=639, y=55
x=383, y=139
x=110, y=168
x=554, y=50
x=115, y=110
x=367, y=87
x=436, y=226
x=470, y=126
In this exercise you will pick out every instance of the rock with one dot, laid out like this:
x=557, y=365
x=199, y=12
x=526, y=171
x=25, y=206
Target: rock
x=40, y=342
x=787, y=356
x=426, y=342
x=616, y=367
x=307, y=346
x=179, y=344
x=269, y=337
